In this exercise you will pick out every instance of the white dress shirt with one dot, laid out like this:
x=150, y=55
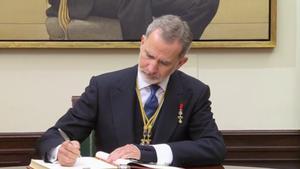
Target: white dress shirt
x=163, y=151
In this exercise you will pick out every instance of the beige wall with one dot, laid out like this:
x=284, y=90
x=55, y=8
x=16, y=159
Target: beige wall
x=251, y=88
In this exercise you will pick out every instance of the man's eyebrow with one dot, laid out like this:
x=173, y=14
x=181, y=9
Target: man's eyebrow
x=161, y=61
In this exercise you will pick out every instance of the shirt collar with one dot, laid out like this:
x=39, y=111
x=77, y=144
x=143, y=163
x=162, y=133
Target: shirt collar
x=142, y=84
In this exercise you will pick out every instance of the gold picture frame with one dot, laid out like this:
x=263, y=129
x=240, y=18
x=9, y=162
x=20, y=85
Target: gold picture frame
x=269, y=40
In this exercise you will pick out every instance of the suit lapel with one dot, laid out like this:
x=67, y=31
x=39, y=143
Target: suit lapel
x=167, y=120
x=123, y=108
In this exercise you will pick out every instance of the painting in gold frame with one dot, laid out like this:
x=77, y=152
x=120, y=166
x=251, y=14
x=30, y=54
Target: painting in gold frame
x=237, y=24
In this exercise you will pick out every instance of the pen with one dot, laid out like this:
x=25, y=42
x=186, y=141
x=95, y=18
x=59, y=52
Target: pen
x=63, y=134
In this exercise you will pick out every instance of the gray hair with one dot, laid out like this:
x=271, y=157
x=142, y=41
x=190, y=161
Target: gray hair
x=173, y=28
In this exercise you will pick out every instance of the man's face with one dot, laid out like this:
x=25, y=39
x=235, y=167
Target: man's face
x=158, y=58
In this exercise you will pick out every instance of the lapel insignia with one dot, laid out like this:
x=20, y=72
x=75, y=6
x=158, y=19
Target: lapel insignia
x=180, y=113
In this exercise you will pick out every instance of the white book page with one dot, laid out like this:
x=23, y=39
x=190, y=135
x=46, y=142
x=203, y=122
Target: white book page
x=81, y=163
x=103, y=155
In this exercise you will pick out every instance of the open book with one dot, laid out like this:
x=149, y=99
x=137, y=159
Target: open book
x=97, y=162
x=81, y=163
x=126, y=162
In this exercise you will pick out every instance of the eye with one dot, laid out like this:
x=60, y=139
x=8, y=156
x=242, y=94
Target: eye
x=148, y=55
x=164, y=63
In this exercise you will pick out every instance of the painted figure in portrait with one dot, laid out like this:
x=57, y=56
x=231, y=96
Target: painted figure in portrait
x=122, y=19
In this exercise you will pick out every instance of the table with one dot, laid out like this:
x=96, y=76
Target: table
x=205, y=167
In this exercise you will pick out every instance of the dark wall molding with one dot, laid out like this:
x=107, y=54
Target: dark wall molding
x=265, y=148
x=243, y=146
x=16, y=149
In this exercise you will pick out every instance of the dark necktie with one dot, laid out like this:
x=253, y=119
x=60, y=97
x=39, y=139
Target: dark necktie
x=152, y=102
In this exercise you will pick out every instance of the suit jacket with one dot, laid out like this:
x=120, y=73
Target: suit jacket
x=79, y=9
x=107, y=107
x=136, y=15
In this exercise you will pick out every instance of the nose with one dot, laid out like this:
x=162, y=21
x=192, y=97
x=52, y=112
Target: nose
x=153, y=67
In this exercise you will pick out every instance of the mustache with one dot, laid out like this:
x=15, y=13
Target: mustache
x=145, y=73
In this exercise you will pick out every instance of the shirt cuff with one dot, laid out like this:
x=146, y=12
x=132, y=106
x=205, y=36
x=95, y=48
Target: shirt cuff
x=52, y=156
x=164, y=154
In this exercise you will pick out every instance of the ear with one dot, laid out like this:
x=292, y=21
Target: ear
x=182, y=61
x=143, y=39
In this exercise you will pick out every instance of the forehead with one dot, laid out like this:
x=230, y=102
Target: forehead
x=157, y=46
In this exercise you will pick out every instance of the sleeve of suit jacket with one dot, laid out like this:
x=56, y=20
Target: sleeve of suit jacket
x=77, y=122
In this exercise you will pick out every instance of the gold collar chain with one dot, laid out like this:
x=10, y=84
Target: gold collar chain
x=148, y=123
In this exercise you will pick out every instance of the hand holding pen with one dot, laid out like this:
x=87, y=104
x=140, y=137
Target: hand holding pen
x=69, y=150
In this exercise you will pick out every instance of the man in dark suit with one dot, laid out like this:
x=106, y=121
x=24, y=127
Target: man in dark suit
x=136, y=15
x=181, y=130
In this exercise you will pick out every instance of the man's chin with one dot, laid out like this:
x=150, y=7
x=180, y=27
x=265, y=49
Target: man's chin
x=152, y=81
x=148, y=79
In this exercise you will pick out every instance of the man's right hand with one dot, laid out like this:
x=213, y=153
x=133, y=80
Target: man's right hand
x=68, y=153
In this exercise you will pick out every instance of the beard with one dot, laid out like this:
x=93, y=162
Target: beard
x=150, y=79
